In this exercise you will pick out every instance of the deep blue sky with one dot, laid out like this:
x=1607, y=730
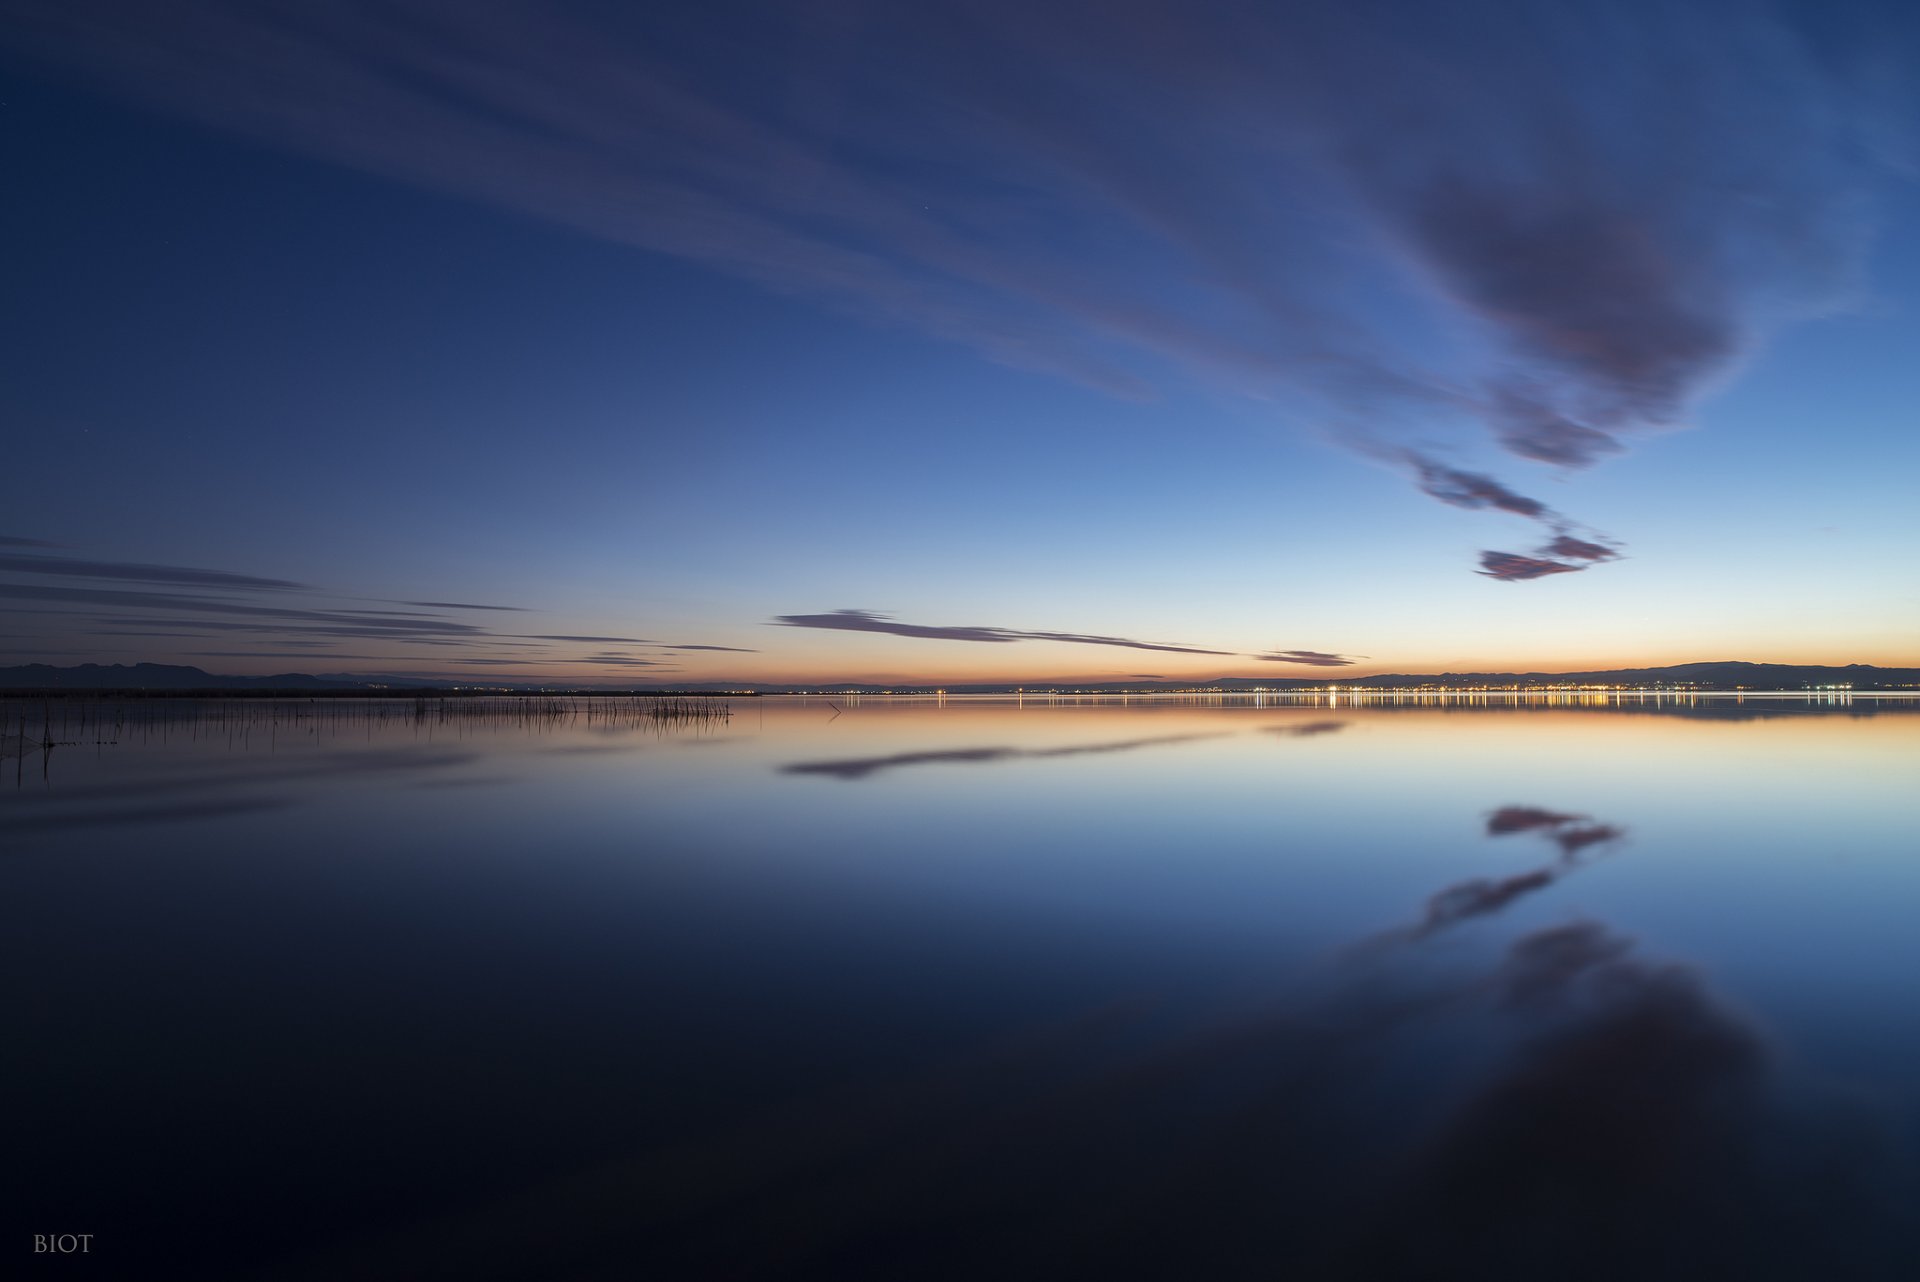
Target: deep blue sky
x=1531, y=337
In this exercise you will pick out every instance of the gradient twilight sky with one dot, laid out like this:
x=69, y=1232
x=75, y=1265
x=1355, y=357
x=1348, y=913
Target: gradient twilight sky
x=946, y=342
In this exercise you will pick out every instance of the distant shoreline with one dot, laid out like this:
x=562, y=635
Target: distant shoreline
x=411, y=692
x=66, y=694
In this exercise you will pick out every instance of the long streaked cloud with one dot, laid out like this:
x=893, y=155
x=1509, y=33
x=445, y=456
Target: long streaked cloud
x=285, y=654
x=466, y=605
x=190, y=604
x=138, y=572
x=626, y=661
x=870, y=621
x=1309, y=658
x=280, y=617
x=874, y=621
x=1557, y=226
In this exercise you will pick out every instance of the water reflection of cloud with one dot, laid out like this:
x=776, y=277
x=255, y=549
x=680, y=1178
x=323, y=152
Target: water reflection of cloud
x=865, y=767
x=1567, y=1107
x=140, y=816
x=294, y=766
x=1483, y=896
x=1512, y=819
x=1307, y=730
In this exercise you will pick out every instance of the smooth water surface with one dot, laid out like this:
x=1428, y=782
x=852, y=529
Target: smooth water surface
x=968, y=988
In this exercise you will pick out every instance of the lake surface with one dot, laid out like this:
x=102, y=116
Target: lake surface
x=968, y=988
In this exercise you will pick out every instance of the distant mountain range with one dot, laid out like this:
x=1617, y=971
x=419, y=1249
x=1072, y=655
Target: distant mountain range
x=1725, y=675
x=169, y=676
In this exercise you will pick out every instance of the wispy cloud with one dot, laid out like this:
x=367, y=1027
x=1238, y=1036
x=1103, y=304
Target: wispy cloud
x=359, y=623
x=1564, y=554
x=869, y=621
x=1512, y=567
x=330, y=655
x=283, y=617
x=1309, y=658
x=1591, y=211
x=1472, y=490
x=138, y=572
x=1566, y=545
x=465, y=605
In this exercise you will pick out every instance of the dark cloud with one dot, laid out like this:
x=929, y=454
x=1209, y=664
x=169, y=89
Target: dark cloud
x=7, y=541
x=466, y=605
x=727, y=649
x=1566, y=545
x=1309, y=658
x=1081, y=638
x=1565, y=554
x=1473, y=490
x=1581, y=285
x=1535, y=431
x=868, y=621
x=1513, y=567
x=138, y=572
x=599, y=640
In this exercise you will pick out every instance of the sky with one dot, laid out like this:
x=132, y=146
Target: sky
x=638, y=345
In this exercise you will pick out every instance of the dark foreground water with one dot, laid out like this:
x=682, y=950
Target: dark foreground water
x=974, y=989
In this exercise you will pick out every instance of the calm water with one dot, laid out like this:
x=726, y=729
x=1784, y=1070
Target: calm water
x=970, y=989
